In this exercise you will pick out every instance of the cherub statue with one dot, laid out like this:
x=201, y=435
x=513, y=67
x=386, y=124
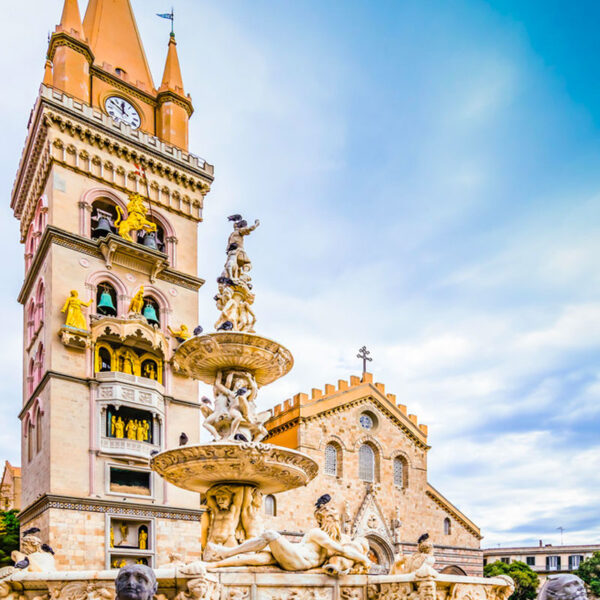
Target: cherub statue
x=75, y=316
x=420, y=563
x=137, y=302
x=223, y=418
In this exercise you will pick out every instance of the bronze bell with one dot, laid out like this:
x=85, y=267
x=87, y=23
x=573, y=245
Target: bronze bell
x=102, y=228
x=150, y=313
x=150, y=241
x=106, y=305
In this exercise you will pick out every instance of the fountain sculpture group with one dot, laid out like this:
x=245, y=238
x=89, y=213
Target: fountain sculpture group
x=240, y=559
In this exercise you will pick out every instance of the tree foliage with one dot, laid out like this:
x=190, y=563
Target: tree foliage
x=525, y=578
x=9, y=536
x=589, y=571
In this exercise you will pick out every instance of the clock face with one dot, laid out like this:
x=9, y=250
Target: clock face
x=122, y=111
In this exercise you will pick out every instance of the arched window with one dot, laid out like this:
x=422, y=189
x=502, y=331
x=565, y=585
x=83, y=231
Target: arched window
x=106, y=299
x=30, y=316
x=447, y=526
x=366, y=463
x=38, y=430
x=30, y=376
x=104, y=360
x=103, y=217
x=332, y=453
x=39, y=304
x=39, y=364
x=30, y=440
x=151, y=311
x=270, y=506
x=29, y=247
x=400, y=472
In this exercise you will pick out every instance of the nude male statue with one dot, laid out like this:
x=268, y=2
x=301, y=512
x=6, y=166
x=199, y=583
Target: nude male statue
x=235, y=243
x=225, y=506
x=316, y=547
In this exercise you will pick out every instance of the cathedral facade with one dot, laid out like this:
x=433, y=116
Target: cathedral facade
x=372, y=458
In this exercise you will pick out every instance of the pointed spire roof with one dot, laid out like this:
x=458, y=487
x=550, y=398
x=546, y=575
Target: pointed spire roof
x=172, y=80
x=48, y=77
x=70, y=21
x=113, y=36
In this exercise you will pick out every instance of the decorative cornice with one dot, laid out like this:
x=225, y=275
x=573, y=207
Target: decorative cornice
x=64, y=39
x=132, y=509
x=55, y=110
x=60, y=237
x=453, y=511
x=169, y=96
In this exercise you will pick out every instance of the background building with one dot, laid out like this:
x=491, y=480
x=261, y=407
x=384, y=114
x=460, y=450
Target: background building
x=99, y=397
x=543, y=559
x=372, y=458
x=10, y=488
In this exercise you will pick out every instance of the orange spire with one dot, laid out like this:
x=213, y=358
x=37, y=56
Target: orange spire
x=114, y=39
x=172, y=80
x=70, y=22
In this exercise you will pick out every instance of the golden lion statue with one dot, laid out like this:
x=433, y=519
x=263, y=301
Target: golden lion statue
x=136, y=218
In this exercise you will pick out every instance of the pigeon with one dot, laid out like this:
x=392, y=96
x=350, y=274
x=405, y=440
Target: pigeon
x=241, y=392
x=154, y=452
x=424, y=537
x=234, y=218
x=31, y=531
x=225, y=281
x=232, y=247
x=323, y=500
x=198, y=330
x=22, y=564
x=227, y=326
x=183, y=439
x=241, y=224
x=47, y=548
x=238, y=437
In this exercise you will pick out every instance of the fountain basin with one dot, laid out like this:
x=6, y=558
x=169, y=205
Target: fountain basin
x=271, y=469
x=202, y=357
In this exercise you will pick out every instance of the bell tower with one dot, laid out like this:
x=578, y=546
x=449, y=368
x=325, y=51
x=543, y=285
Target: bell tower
x=109, y=200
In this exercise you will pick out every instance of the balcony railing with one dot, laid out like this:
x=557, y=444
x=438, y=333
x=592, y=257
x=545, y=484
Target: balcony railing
x=127, y=447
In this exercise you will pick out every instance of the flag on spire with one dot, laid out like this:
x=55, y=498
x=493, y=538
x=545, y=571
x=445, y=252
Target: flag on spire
x=171, y=17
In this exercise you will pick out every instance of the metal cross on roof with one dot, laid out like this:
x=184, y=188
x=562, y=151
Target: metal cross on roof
x=363, y=354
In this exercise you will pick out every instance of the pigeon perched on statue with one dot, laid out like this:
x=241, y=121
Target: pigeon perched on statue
x=235, y=217
x=227, y=326
x=183, y=439
x=198, y=330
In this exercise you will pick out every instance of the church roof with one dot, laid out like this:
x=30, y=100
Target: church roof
x=113, y=36
x=301, y=406
x=70, y=21
x=172, y=80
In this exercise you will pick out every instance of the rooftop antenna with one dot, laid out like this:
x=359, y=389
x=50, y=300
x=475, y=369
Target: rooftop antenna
x=561, y=529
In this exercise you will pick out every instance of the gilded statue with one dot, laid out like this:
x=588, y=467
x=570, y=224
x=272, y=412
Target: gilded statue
x=131, y=429
x=119, y=428
x=323, y=546
x=150, y=371
x=124, y=531
x=73, y=307
x=180, y=334
x=136, y=218
x=137, y=302
x=112, y=537
x=143, y=539
x=420, y=563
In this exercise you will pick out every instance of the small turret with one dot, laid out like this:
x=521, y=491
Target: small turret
x=174, y=107
x=69, y=55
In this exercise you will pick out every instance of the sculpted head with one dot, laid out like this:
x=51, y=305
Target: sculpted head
x=30, y=544
x=328, y=520
x=199, y=588
x=5, y=589
x=136, y=582
x=427, y=590
x=223, y=497
x=563, y=587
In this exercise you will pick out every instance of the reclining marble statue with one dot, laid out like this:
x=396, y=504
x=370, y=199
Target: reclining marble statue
x=323, y=546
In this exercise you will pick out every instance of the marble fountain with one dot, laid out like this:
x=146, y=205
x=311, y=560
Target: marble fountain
x=240, y=559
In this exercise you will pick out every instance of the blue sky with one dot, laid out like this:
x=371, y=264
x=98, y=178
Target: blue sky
x=427, y=177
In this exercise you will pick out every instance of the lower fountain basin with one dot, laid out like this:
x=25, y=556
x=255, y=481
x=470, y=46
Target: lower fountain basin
x=270, y=468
